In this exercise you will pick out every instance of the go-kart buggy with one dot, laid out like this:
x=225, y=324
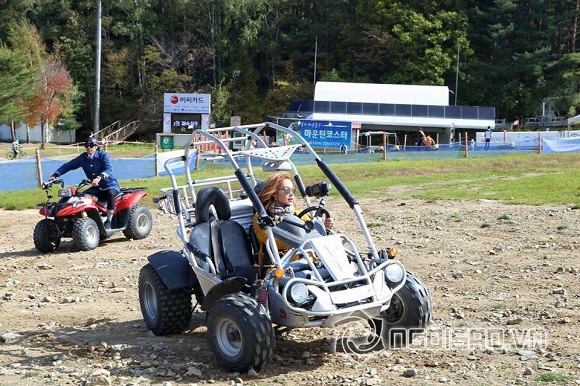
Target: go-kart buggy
x=81, y=217
x=321, y=281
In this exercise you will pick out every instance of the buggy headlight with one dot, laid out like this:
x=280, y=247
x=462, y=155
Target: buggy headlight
x=298, y=293
x=394, y=273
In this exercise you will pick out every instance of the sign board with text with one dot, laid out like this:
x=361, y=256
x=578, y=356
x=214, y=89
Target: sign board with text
x=327, y=134
x=183, y=112
x=186, y=103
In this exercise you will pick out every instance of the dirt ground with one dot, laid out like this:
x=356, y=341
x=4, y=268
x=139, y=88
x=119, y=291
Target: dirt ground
x=503, y=279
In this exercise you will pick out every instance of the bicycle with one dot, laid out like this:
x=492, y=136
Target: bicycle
x=20, y=154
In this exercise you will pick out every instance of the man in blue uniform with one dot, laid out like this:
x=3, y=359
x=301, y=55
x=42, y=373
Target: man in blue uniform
x=97, y=166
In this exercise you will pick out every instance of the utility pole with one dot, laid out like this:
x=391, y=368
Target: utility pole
x=457, y=76
x=97, y=70
x=315, y=54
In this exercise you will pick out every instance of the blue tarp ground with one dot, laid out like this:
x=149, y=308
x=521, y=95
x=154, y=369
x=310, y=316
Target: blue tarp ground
x=22, y=174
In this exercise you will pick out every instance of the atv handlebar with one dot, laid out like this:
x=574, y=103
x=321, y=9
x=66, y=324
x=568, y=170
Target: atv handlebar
x=48, y=184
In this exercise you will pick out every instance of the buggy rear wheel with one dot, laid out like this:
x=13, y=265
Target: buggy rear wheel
x=85, y=234
x=46, y=236
x=165, y=311
x=240, y=333
x=140, y=223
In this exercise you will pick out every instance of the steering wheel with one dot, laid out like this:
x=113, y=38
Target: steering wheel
x=324, y=213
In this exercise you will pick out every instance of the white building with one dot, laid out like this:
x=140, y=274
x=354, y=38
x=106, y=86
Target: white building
x=34, y=135
x=392, y=108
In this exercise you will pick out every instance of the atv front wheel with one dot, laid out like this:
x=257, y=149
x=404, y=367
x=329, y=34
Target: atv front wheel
x=408, y=314
x=140, y=223
x=45, y=236
x=85, y=234
x=164, y=311
x=240, y=333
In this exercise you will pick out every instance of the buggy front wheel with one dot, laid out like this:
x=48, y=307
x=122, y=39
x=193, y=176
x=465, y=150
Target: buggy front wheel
x=409, y=314
x=240, y=333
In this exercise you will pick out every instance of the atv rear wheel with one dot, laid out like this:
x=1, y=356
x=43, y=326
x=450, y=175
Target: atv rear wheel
x=408, y=314
x=140, y=223
x=85, y=234
x=44, y=236
x=240, y=333
x=164, y=311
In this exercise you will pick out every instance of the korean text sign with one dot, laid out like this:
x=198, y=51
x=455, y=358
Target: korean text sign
x=327, y=134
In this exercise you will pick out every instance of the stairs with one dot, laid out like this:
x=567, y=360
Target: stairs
x=117, y=133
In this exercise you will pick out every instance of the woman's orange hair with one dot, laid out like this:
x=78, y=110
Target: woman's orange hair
x=268, y=192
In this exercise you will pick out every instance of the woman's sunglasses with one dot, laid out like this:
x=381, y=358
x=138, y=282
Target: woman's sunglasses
x=288, y=190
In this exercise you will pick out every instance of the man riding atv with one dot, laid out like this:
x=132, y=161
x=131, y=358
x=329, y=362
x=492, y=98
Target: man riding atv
x=97, y=166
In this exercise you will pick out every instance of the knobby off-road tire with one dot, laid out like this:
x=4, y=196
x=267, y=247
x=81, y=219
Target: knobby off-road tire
x=85, y=234
x=164, y=311
x=409, y=314
x=140, y=223
x=240, y=333
x=43, y=241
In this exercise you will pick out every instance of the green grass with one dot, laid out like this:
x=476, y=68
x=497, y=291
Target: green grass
x=552, y=377
x=532, y=179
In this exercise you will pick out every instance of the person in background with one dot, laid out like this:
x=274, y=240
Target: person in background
x=429, y=141
x=15, y=147
x=487, y=137
x=422, y=139
x=97, y=166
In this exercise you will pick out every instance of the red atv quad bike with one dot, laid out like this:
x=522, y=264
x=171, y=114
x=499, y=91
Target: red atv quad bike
x=81, y=217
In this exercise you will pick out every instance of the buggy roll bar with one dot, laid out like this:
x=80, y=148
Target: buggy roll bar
x=262, y=151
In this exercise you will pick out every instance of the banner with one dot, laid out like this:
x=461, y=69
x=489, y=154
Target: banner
x=326, y=134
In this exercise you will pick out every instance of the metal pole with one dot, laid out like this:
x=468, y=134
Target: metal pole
x=457, y=76
x=97, y=70
x=315, y=55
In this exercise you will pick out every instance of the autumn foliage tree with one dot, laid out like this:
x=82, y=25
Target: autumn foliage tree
x=50, y=99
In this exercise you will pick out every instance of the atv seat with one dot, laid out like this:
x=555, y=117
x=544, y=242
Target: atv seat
x=223, y=240
x=103, y=201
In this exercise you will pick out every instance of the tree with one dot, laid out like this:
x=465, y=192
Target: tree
x=15, y=84
x=51, y=97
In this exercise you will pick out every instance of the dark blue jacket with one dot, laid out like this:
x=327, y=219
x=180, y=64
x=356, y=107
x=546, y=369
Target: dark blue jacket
x=99, y=165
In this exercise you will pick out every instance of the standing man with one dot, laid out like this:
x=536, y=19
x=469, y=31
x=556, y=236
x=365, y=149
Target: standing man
x=97, y=167
x=487, y=138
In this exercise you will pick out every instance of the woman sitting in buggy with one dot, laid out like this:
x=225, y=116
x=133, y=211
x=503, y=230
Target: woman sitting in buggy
x=277, y=195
